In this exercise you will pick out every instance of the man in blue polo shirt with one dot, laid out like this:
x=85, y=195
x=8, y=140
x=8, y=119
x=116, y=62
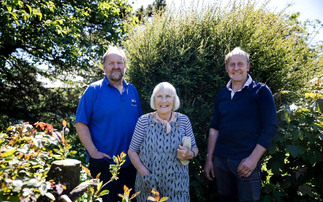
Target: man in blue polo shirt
x=243, y=125
x=105, y=121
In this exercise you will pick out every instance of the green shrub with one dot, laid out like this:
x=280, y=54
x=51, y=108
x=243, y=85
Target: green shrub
x=187, y=49
x=295, y=163
x=26, y=153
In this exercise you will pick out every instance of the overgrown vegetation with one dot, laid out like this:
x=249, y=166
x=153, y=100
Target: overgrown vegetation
x=187, y=49
x=295, y=163
x=26, y=153
x=55, y=40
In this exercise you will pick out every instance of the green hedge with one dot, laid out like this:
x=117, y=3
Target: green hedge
x=187, y=49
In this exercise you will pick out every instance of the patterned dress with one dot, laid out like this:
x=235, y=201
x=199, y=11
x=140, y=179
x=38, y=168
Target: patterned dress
x=158, y=153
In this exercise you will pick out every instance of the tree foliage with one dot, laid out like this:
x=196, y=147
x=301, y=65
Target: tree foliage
x=295, y=162
x=187, y=49
x=67, y=36
x=157, y=5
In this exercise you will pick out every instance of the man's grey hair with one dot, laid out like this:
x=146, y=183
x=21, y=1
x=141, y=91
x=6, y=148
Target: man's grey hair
x=236, y=51
x=116, y=50
x=168, y=88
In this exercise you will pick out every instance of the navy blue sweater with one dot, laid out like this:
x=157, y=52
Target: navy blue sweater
x=244, y=121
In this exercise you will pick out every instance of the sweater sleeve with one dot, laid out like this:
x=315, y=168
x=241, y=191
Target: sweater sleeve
x=268, y=117
x=216, y=119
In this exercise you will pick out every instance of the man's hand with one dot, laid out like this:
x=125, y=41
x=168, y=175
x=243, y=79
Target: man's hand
x=246, y=167
x=209, y=170
x=99, y=155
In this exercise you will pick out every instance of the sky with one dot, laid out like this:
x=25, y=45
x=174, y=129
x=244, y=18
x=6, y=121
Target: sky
x=308, y=9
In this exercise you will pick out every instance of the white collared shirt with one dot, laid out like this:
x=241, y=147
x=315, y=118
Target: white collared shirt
x=229, y=86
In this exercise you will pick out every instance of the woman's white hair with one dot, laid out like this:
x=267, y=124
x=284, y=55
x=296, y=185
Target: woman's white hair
x=166, y=87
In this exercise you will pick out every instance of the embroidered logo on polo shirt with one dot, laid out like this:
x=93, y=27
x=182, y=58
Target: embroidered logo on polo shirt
x=133, y=102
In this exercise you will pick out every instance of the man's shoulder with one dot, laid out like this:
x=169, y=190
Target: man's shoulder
x=97, y=83
x=131, y=86
x=222, y=92
x=259, y=85
x=93, y=87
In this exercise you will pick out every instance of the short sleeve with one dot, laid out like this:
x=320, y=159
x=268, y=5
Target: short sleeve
x=85, y=106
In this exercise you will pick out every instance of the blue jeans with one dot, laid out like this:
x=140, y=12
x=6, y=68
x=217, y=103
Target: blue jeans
x=232, y=187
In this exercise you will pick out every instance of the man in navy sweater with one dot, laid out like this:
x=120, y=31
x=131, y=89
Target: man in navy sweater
x=243, y=125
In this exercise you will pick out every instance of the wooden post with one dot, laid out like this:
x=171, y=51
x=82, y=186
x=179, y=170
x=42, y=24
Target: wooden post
x=66, y=172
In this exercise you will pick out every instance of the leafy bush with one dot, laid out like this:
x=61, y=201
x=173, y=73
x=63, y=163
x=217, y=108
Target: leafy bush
x=187, y=49
x=25, y=156
x=295, y=163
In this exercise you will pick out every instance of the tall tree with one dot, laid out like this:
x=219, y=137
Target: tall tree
x=68, y=36
x=156, y=6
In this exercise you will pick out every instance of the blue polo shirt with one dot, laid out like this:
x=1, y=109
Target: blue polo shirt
x=110, y=116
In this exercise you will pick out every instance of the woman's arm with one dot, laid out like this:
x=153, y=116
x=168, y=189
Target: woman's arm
x=136, y=162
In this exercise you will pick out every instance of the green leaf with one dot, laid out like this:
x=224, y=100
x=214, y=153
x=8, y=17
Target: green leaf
x=8, y=152
x=30, y=9
x=99, y=185
x=104, y=192
x=306, y=190
x=50, y=196
x=43, y=189
x=294, y=150
x=40, y=15
x=34, y=183
x=21, y=4
x=275, y=166
x=9, y=8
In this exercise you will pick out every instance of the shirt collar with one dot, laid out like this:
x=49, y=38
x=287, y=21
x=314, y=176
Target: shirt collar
x=107, y=82
x=248, y=82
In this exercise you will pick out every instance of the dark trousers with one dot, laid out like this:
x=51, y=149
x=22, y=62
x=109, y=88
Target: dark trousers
x=126, y=176
x=232, y=187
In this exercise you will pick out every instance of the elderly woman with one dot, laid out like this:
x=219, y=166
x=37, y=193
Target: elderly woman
x=157, y=150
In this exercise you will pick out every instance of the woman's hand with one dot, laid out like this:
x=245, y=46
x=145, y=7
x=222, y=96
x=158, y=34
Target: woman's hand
x=135, y=160
x=183, y=153
x=143, y=171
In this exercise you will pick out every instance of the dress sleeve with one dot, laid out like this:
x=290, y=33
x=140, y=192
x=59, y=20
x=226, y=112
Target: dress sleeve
x=139, y=133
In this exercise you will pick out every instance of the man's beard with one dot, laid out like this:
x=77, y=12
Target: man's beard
x=116, y=76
